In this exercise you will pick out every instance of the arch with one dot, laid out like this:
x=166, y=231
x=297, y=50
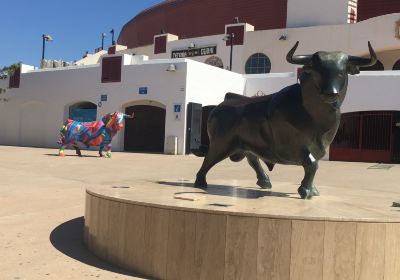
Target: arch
x=215, y=61
x=83, y=111
x=32, y=126
x=258, y=63
x=144, y=102
x=377, y=67
x=146, y=131
x=396, y=65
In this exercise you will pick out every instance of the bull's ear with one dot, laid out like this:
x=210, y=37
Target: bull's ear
x=353, y=69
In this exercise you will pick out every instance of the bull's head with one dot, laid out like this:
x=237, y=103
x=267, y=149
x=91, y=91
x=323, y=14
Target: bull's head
x=328, y=70
x=115, y=121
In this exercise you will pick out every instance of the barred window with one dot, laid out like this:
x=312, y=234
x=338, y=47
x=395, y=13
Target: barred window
x=258, y=63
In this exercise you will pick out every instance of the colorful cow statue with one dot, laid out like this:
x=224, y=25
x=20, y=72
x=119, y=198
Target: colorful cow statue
x=97, y=133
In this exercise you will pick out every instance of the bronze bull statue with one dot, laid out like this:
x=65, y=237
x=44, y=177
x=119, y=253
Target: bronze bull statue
x=293, y=126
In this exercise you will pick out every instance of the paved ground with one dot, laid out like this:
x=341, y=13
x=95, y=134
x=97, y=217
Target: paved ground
x=42, y=202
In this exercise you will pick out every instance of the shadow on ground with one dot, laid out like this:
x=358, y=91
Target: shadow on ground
x=72, y=155
x=68, y=239
x=229, y=191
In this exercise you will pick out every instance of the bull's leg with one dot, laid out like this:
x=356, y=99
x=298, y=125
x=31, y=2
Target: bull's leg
x=216, y=153
x=307, y=189
x=61, y=152
x=262, y=178
x=108, y=153
x=101, y=150
x=77, y=150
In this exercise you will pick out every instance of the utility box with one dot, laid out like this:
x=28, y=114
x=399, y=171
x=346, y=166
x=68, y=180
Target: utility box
x=172, y=145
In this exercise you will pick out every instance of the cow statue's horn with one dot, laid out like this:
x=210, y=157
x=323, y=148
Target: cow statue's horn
x=364, y=62
x=129, y=116
x=298, y=59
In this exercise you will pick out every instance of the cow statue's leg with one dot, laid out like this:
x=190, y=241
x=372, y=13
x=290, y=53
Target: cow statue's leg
x=77, y=150
x=108, y=153
x=101, y=150
x=262, y=178
x=307, y=189
x=215, y=154
x=61, y=151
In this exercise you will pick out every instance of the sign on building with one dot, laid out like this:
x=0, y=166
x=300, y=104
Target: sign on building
x=210, y=50
x=143, y=90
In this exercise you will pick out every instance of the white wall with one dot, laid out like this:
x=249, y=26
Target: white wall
x=37, y=109
x=301, y=13
x=349, y=38
x=208, y=85
x=373, y=91
x=264, y=84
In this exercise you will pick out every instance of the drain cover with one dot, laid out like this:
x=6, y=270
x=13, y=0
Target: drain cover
x=381, y=166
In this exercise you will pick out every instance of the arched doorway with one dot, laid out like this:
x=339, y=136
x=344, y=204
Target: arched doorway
x=146, y=131
x=83, y=112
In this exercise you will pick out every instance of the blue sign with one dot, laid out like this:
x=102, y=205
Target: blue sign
x=143, y=90
x=177, y=108
x=103, y=97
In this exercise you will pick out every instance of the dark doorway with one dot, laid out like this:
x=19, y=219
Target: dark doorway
x=83, y=112
x=206, y=110
x=366, y=137
x=146, y=131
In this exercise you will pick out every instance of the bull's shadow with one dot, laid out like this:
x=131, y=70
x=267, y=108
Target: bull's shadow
x=68, y=239
x=225, y=190
x=72, y=155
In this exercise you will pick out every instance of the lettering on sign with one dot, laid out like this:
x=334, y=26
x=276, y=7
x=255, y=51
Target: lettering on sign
x=211, y=50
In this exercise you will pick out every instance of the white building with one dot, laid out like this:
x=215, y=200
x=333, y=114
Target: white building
x=35, y=103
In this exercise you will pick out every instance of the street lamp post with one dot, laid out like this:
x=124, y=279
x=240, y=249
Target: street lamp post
x=48, y=38
x=112, y=37
x=103, y=35
x=229, y=37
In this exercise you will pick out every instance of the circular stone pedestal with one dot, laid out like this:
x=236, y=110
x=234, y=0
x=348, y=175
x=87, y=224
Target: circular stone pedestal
x=170, y=230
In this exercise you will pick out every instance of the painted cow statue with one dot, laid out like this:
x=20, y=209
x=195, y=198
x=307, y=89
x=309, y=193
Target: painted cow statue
x=97, y=133
x=293, y=126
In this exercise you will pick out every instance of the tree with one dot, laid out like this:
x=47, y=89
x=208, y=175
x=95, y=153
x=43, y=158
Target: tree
x=9, y=70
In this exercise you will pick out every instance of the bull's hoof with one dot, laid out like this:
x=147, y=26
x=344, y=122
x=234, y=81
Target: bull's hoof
x=200, y=183
x=264, y=183
x=314, y=191
x=305, y=193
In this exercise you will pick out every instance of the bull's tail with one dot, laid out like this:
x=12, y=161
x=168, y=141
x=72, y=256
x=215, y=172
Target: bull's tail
x=201, y=151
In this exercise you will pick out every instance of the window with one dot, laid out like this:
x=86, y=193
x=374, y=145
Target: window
x=258, y=63
x=15, y=78
x=83, y=112
x=215, y=61
x=111, y=69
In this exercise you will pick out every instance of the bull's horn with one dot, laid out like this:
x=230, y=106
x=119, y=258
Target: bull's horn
x=364, y=62
x=129, y=116
x=298, y=59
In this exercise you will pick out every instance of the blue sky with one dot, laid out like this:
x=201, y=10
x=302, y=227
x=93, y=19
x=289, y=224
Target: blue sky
x=75, y=25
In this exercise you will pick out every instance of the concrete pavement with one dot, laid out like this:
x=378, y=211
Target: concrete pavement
x=42, y=201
